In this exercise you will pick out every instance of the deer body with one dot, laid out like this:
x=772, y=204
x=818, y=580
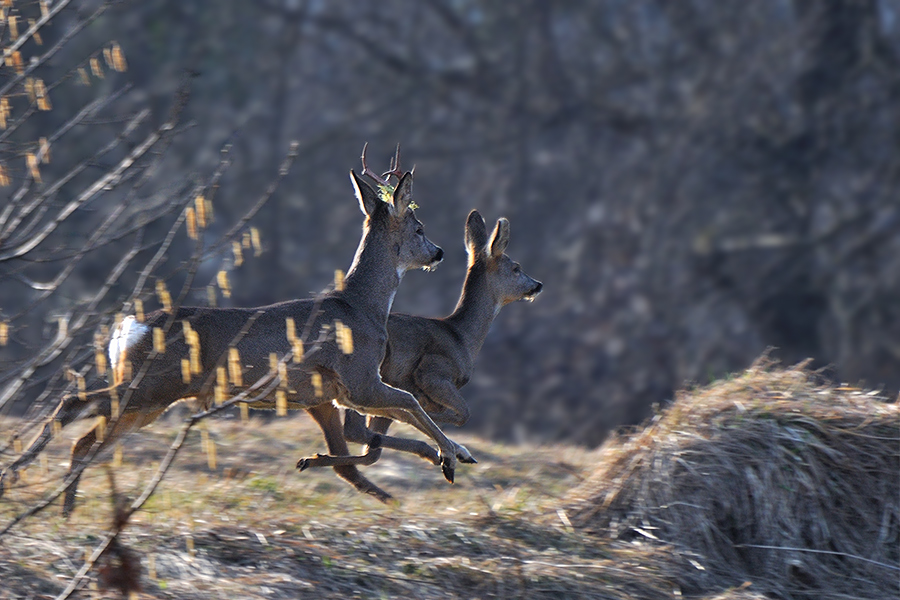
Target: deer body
x=425, y=351
x=433, y=358
x=392, y=243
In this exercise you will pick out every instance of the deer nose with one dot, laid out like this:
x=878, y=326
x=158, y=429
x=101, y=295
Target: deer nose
x=439, y=256
x=537, y=289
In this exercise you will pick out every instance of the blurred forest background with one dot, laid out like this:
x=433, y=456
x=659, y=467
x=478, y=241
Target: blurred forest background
x=693, y=181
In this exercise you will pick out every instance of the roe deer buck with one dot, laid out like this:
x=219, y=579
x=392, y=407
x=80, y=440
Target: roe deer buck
x=433, y=358
x=393, y=242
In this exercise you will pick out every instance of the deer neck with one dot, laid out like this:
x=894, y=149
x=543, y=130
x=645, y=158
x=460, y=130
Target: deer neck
x=475, y=310
x=372, y=279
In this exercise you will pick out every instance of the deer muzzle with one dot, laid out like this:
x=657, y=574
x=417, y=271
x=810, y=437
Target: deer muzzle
x=436, y=259
x=531, y=295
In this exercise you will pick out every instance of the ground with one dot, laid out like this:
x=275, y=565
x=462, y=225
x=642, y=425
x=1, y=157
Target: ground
x=253, y=527
x=772, y=483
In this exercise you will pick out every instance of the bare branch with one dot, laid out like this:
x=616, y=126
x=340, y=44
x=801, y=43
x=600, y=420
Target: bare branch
x=85, y=113
x=61, y=4
x=105, y=183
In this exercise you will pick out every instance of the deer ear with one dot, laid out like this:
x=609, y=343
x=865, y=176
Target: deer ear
x=500, y=238
x=368, y=198
x=403, y=194
x=476, y=234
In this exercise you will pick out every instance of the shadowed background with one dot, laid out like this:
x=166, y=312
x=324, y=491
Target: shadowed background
x=692, y=182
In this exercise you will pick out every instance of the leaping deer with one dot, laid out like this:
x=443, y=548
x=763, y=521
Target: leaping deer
x=434, y=358
x=393, y=242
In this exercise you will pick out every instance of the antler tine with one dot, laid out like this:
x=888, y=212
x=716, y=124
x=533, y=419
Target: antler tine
x=379, y=179
x=395, y=166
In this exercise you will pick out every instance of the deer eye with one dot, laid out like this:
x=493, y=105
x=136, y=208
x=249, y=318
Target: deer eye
x=516, y=269
x=420, y=231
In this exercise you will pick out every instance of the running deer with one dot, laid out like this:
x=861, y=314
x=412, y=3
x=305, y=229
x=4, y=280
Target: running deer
x=434, y=358
x=393, y=241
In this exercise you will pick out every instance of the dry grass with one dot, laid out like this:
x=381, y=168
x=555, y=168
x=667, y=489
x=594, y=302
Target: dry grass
x=769, y=458
x=772, y=477
x=259, y=529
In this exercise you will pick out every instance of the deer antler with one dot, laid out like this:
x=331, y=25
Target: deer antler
x=384, y=178
x=395, y=169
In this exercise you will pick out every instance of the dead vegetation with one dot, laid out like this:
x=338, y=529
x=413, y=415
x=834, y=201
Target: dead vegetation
x=772, y=477
x=255, y=528
x=771, y=484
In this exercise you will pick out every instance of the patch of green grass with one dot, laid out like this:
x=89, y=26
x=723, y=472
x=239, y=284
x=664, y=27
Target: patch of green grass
x=264, y=484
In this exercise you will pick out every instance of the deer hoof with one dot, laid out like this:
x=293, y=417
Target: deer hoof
x=302, y=464
x=464, y=455
x=447, y=468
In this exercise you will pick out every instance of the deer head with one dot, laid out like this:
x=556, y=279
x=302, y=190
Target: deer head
x=391, y=212
x=506, y=281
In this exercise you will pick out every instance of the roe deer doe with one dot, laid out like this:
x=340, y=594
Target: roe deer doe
x=393, y=242
x=434, y=358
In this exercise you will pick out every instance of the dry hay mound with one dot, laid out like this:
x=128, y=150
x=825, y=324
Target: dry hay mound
x=772, y=477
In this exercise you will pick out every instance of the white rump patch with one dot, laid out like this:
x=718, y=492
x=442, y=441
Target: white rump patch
x=128, y=333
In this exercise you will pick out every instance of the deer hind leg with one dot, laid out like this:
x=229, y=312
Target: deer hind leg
x=337, y=443
x=380, y=425
x=95, y=442
x=328, y=418
x=371, y=436
x=356, y=430
x=80, y=451
x=69, y=409
x=399, y=405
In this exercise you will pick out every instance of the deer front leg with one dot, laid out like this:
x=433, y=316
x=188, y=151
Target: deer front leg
x=328, y=418
x=356, y=430
x=387, y=401
x=437, y=384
